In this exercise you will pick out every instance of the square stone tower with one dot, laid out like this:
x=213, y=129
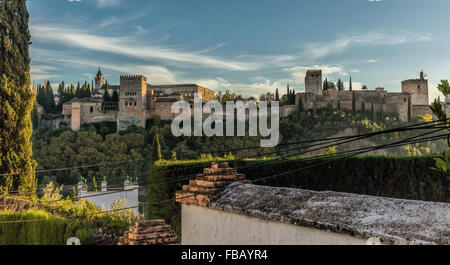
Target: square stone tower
x=418, y=88
x=313, y=82
x=132, y=101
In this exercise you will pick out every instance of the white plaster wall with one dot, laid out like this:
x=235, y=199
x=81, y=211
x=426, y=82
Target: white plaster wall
x=106, y=199
x=205, y=226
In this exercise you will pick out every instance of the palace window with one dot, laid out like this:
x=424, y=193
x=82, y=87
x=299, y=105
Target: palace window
x=92, y=109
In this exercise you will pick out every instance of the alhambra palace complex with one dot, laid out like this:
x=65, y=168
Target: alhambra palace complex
x=140, y=101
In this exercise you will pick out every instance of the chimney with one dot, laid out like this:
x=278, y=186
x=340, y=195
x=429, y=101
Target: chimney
x=207, y=186
x=151, y=232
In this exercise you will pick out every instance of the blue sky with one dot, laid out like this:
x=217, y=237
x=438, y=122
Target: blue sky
x=246, y=46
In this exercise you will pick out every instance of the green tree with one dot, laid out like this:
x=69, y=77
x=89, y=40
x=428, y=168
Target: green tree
x=16, y=99
x=372, y=111
x=409, y=110
x=49, y=104
x=444, y=87
x=277, y=95
x=115, y=96
x=74, y=193
x=94, y=184
x=340, y=85
x=106, y=96
x=156, y=149
x=442, y=162
x=325, y=84
x=350, y=87
x=301, y=108
x=353, y=102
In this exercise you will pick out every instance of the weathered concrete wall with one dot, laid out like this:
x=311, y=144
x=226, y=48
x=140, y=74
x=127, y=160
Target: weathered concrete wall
x=205, y=226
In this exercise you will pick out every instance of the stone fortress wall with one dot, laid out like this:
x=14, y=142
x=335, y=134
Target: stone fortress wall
x=138, y=101
x=414, y=96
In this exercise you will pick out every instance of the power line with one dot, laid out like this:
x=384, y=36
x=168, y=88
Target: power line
x=227, y=151
x=402, y=142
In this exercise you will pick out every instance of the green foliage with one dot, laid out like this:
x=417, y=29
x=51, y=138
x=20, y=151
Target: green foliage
x=444, y=87
x=443, y=162
x=156, y=149
x=52, y=193
x=340, y=85
x=16, y=99
x=94, y=184
x=353, y=102
x=397, y=177
x=45, y=232
x=409, y=110
x=228, y=96
x=130, y=152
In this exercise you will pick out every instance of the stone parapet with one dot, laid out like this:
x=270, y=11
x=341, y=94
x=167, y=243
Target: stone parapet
x=208, y=185
x=150, y=232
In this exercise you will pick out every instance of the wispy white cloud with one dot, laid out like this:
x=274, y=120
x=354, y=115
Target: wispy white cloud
x=155, y=74
x=107, y=3
x=116, y=20
x=298, y=73
x=319, y=50
x=127, y=46
x=255, y=89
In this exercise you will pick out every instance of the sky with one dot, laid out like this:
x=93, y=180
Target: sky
x=250, y=47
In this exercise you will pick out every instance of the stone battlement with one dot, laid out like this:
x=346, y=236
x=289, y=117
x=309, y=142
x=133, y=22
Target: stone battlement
x=132, y=77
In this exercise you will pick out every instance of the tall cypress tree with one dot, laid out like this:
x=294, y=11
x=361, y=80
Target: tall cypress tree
x=350, y=86
x=16, y=100
x=353, y=103
x=156, y=149
x=372, y=110
x=277, y=95
x=106, y=96
x=409, y=110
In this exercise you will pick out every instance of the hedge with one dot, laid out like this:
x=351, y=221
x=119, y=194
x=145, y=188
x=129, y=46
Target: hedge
x=397, y=177
x=45, y=232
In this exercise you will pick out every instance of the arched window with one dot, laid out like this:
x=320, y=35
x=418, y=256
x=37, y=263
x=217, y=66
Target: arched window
x=92, y=109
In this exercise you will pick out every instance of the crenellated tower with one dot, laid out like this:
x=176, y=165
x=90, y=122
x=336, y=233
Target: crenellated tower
x=132, y=101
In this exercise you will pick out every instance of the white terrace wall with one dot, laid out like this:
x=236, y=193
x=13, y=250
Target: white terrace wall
x=105, y=199
x=206, y=226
